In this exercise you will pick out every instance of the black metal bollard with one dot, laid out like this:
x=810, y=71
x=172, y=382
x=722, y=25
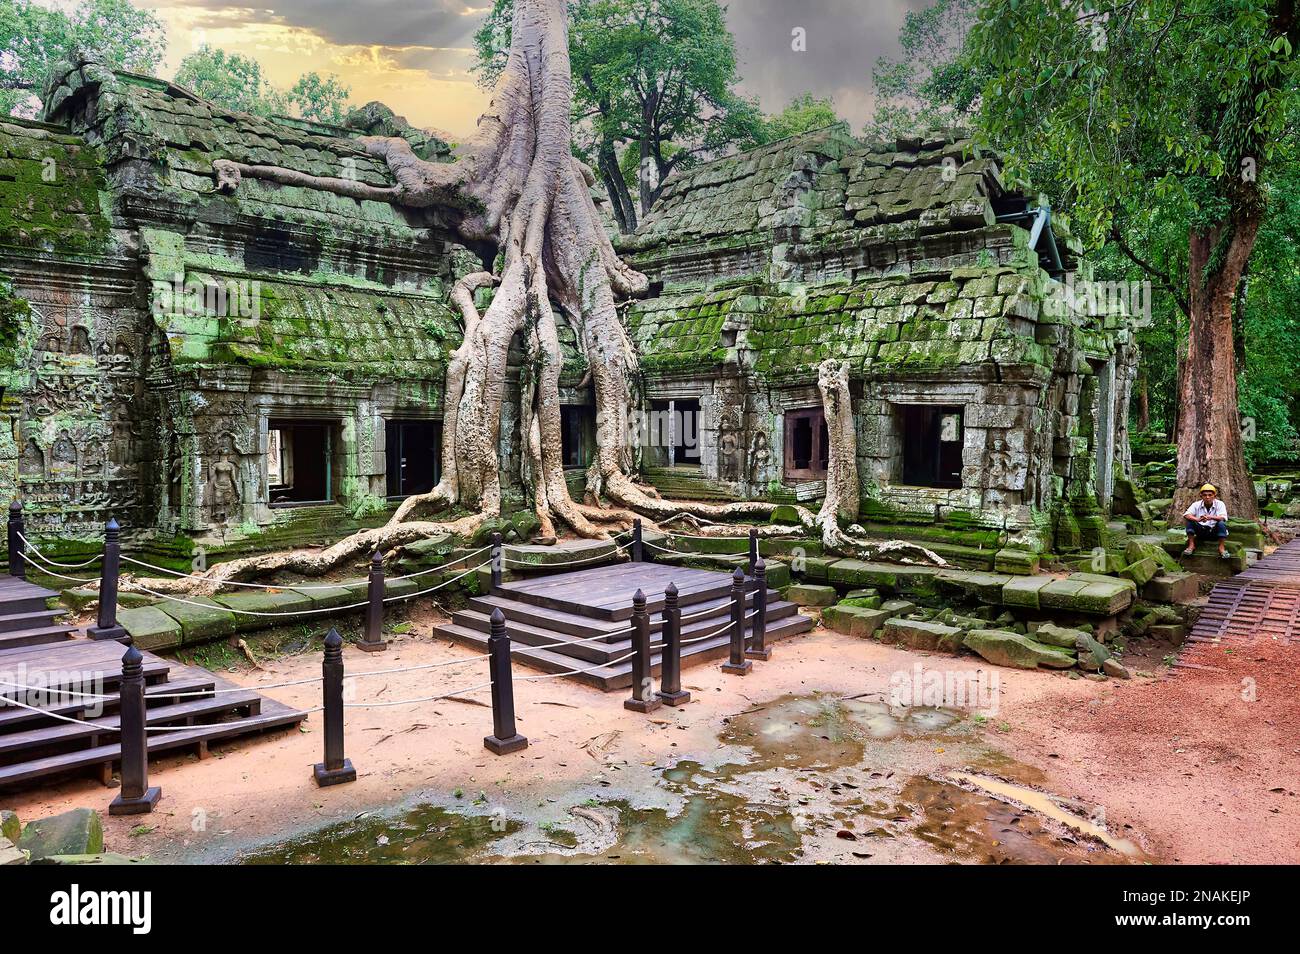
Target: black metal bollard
x=670, y=671
x=758, y=648
x=17, y=549
x=135, y=796
x=643, y=698
x=337, y=768
x=372, y=640
x=498, y=559
x=504, y=739
x=753, y=549
x=106, y=626
x=638, y=546
x=736, y=663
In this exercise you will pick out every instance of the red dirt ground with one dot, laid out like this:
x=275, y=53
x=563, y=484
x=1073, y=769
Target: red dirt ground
x=1206, y=774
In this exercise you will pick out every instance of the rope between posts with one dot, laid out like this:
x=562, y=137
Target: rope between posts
x=511, y=561
x=63, y=566
x=54, y=573
x=409, y=702
x=411, y=596
x=292, y=586
x=575, y=672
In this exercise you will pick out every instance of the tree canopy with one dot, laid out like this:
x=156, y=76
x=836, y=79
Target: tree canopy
x=236, y=82
x=805, y=113
x=655, y=76
x=34, y=37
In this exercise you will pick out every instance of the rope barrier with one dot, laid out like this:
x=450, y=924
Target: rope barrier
x=575, y=672
x=63, y=566
x=295, y=586
x=54, y=573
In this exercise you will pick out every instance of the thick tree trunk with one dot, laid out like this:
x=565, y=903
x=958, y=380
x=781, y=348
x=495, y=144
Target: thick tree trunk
x=1210, y=448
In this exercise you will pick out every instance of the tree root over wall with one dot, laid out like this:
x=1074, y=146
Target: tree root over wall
x=515, y=187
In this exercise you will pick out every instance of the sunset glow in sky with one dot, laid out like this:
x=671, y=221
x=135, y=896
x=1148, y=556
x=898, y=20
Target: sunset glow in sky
x=417, y=55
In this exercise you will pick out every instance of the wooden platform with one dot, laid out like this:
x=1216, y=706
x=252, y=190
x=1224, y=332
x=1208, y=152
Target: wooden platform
x=1260, y=603
x=584, y=604
x=35, y=745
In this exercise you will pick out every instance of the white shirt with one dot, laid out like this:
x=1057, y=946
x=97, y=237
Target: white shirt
x=1216, y=510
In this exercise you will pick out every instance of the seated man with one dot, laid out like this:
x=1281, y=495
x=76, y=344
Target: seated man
x=1207, y=519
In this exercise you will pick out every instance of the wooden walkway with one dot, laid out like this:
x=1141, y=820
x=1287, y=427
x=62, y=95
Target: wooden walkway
x=1260, y=603
x=37, y=652
x=575, y=609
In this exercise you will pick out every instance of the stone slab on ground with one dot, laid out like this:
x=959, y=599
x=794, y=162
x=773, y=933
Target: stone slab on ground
x=857, y=621
x=1052, y=635
x=150, y=628
x=11, y=855
x=282, y=602
x=1016, y=650
x=918, y=634
x=811, y=594
x=78, y=832
x=1024, y=590
x=200, y=618
x=1016, y=562
x=897, y=607
x=580, y=553
x=1088, y=593
x=975, y=584
x=816, y=569
x=10, y=826
x=888, y=575
x=339, y=595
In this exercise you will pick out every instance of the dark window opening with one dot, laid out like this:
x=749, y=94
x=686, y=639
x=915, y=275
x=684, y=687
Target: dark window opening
x=807, y=444
x=577, y=434
x=300, y=462
x=413, y=453
x=932, y=442
x=674, y=433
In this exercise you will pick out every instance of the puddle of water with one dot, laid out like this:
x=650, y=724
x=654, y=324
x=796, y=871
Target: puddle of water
x=827, y=731
x=423, y=835
x=801, y=778
x=1045, y=804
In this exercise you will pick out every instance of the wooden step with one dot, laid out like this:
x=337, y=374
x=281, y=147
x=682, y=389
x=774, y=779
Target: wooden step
x=65, y=733
x=13, y=621
x=619, y=675
x=273, y=716
x=603, y=650
x=575, y=624
x=158, y=694
x=37, y=636
x=606, y=593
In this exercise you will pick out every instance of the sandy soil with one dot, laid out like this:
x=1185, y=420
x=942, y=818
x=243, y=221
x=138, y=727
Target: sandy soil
x=1180, y=765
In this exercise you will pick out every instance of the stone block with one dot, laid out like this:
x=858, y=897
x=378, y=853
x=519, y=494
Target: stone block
x=856, y=621
x=10, y=827
x=1016, y=562
x=986, y=587
x=815, y=568
x=1088, y=593
x=78, y=832
x=1141, y=572
x=150, y=628
x=1060, y=636
x=1024, y=591
x=200, y=618
x=897, y=607
x=811, y=594
x=918, y=634
x=1016, y=650
x=1172, y=588
x=282, y=603
x=332, y=596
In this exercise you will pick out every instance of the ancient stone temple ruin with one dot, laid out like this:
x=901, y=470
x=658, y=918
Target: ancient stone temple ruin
x=254, y=370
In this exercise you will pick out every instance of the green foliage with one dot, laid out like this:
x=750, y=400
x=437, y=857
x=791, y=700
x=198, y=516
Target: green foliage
x=936, y=82
x=654, y=75
x=34, y=37
x=1168, y=100
x=236, y=82
x=804, y=114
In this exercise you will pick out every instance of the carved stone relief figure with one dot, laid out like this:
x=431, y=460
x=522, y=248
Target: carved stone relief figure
x=222, y=490
x=32, y=463
x=63, y=456
x=80, y=340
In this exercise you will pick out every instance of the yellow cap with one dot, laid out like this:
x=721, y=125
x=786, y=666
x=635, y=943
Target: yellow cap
x=1210, y=487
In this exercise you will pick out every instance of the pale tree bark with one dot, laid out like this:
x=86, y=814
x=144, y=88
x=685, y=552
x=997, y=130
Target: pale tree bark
x=516, y=188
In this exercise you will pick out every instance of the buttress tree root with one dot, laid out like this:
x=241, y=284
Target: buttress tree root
x=516, y=189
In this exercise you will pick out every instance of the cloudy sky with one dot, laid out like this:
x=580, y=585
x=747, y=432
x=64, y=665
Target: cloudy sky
x=416, y=55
